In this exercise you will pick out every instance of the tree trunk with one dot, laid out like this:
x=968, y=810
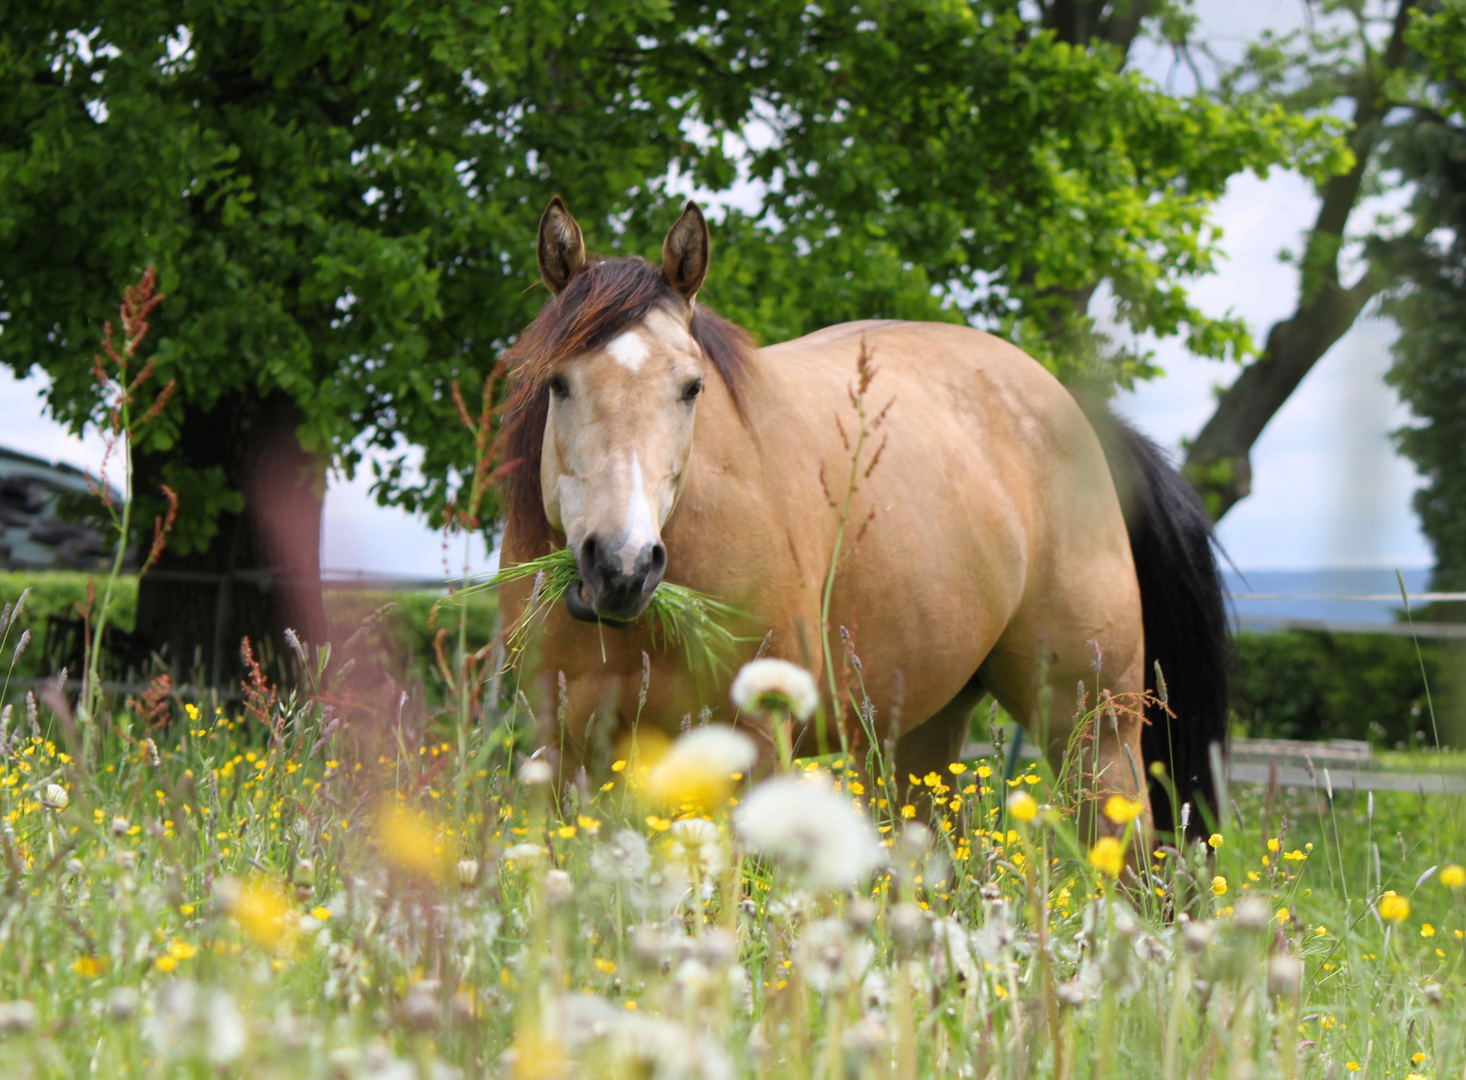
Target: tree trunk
x=261, y=570
x=1218, y=464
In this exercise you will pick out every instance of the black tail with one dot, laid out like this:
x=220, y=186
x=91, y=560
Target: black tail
x=1184, y=615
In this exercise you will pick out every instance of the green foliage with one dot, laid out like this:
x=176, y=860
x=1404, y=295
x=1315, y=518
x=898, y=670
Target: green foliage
x=678, y=615
x=1308, y=684
x=1016, y=171
x=1429, y=302
x=406, y=630
x=341, y=196
x=60, y=594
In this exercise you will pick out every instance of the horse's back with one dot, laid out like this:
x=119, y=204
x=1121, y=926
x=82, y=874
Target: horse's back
x=994, y=523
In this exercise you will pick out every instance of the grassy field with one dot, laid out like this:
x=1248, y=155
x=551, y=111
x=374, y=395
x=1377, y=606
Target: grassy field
x=322, y=883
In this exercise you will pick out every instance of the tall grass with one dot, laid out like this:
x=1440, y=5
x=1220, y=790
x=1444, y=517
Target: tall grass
x=340, y=881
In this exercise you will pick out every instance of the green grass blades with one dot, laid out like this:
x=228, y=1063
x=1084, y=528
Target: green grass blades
x=679, y=616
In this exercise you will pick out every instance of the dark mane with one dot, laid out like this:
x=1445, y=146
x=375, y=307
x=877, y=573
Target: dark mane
x=602, y=301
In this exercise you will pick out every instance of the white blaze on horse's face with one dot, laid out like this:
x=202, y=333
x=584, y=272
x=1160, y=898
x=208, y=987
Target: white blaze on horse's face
x=618, y=438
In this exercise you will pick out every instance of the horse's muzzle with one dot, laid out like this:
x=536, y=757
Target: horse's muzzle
x=580, y=608
x=607, y=592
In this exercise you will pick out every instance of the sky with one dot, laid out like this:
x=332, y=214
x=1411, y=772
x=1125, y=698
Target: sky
x=1328, y=490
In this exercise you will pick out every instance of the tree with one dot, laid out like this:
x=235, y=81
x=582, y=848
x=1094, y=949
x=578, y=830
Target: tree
x=340, y=197
x=1360, y=69
x=1003, y=155
x=336, y=195
x=1429, y=298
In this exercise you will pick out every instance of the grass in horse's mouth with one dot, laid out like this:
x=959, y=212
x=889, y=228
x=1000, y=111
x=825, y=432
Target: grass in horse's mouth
x=677, y=614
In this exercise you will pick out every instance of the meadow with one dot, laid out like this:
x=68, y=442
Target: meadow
x=319, y=881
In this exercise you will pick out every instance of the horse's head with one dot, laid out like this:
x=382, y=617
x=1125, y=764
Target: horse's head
x=618, y=432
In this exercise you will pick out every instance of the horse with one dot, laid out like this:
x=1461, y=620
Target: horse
x=997, y=537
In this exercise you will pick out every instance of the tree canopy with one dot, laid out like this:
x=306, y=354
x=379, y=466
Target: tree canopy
x=340, y=197
x=1429, y=299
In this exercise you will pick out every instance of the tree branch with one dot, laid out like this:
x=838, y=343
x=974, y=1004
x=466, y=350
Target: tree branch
x=1218, y=464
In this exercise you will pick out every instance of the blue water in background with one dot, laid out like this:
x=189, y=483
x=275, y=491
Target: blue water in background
x=1301, y=589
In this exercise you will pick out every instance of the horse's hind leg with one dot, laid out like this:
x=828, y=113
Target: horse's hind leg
x=934, y=744
x=1038, y=686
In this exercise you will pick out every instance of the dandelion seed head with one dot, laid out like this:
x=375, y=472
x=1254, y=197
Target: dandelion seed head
x=810, y=830
x=770, y=685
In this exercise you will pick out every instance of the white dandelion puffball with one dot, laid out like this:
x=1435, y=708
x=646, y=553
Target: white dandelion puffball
x=810, y=830
x=769, y=685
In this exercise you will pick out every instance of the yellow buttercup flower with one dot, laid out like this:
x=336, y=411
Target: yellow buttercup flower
x=1215, y=839
x=1453, y=876
x=1394, y=908
x=408, y=839
x=1022, y=806
x=1121, y=810
x=1219, y=885
x=260, y=909
x=1107, y=856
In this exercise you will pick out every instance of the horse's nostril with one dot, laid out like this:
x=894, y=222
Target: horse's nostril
x=659, y=559
x=588, y=556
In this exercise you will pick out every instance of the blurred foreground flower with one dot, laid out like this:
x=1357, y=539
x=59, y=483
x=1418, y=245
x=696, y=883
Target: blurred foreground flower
x=768, y=685
x=698, y=770
x=1394, y=908
x=1107, y=856
x=1453, y=877
x=1121, y=810
x=409, y=841
x=810, y=830
x=54, y=797
x=1022, y=806
x=259, y=906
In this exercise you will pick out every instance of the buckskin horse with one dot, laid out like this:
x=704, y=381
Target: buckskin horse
x=1011, y=541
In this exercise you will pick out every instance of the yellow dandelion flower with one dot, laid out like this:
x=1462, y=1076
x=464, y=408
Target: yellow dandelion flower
x=1393, y=908
x=260, y=909
x=1022, y=806
x=407, y=838
x=1121, y=810
x=1107, y=856
x=88, y=966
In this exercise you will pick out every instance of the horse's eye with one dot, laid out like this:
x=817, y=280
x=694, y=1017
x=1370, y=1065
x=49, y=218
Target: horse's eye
x=559, y=387
x=693, y=389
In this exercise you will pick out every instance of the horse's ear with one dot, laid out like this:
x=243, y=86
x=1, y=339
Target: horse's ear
x=685, y=253
x=561, y=246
